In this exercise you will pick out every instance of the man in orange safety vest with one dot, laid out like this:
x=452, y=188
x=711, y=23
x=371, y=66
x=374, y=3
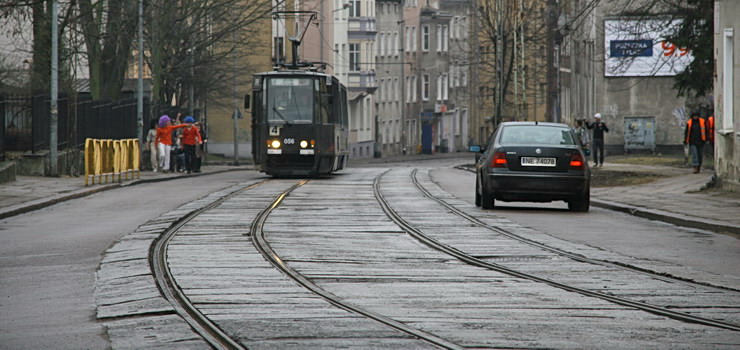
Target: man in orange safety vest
x=695, y=136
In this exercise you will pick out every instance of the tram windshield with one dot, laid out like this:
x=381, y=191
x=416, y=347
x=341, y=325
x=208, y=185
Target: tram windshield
x=290, y=100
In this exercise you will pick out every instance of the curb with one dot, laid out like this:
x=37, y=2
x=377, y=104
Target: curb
x=43, y=203
x=665, y=216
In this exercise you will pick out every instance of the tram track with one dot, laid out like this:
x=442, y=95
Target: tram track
x=474, y=261
x=577, y=257
x=263, y=246
x=167, y=285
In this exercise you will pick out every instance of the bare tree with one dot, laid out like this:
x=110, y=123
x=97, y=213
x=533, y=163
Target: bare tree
x=193, y=44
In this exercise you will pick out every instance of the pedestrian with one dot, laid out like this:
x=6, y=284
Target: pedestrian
x=710, y=134
x=695, y=136
x=190, y=140
x=597, y=141
x=151, y=144
x=582, y=134
x=164, y=141
x=200, y=151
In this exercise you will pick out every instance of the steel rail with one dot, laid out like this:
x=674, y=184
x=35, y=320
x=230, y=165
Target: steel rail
x=167, y=285
x=574, y=256
x=471, y=260
x=261, y=243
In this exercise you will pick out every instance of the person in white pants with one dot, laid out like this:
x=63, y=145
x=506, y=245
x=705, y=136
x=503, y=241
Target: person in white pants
x=164, y=141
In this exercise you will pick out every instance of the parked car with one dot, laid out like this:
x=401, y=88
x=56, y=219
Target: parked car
x=533, y=162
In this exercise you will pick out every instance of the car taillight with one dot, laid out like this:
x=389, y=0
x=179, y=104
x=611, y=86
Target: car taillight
x=576, y=161
x=499, y=160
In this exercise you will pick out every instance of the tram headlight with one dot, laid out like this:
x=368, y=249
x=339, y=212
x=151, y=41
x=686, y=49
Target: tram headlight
x=275, y=144
x=304, y=144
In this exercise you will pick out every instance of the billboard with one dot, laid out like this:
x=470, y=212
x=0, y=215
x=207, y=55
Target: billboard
x=635, y=48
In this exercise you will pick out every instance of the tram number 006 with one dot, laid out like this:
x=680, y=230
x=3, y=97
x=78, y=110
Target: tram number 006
x=289, y=141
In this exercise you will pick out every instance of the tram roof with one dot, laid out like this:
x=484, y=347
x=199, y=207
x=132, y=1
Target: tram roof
x=293, y=72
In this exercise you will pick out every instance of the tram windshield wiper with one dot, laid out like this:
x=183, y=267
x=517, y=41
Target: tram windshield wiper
x=281, y=115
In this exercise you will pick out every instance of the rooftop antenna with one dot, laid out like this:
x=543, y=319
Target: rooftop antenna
x=298, y=37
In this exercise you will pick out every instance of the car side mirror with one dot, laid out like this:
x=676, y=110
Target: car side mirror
x=476, y=149
x=246, y=101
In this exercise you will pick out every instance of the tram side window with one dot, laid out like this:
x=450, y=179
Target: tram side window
x=323, y=95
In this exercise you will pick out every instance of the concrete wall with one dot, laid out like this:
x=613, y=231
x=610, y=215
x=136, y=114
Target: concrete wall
x=727, y=137
x=617, y=98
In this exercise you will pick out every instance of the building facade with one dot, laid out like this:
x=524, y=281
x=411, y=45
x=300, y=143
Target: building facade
x=727, y=94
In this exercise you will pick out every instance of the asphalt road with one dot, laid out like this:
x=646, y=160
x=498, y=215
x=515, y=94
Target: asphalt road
x=48, y=259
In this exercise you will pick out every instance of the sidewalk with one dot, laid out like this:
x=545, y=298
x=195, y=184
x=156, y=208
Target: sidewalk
x=675, y=199
x=678, y=199
x=30, y=193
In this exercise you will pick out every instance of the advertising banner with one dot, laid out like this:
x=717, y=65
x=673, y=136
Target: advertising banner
x=639, y=48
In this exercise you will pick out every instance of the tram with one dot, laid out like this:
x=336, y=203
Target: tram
x=299, y=123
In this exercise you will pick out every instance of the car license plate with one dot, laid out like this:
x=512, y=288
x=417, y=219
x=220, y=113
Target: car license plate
x=537, y=161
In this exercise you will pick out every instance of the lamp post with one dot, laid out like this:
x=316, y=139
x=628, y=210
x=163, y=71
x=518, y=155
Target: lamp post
x=54, y=108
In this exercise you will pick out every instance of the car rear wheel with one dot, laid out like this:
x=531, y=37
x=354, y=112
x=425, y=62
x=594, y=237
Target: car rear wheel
x=486, y=200
x=580, y=204
x=477, y=193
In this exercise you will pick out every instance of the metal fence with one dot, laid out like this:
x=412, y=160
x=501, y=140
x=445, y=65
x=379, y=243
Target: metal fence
x=27, y=119
x=16, y=116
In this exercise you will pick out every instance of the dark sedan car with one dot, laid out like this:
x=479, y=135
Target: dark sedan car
x=533, y=162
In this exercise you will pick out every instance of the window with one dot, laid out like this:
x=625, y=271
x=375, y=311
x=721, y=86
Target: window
x=407, y=45
x=396, y=46
x=354, y=8
x=408, y=89
x=425, y=87
x=354, y=57
x=439, y=87
x=454, y=24
x=445, y=86
x=464, y=76
x=454, y=75
x=728, y=74
x=381, y=44
x=413, y=88
x=445, y=37
x=439, y=37
x=413, y=39
x=425, y=38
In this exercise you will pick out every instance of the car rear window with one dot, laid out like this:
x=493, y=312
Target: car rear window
x=536, y=134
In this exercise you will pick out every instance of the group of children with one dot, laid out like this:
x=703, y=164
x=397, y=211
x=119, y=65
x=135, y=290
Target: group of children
x=187, y=150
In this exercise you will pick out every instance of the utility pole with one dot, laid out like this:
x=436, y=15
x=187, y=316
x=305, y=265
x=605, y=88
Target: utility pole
x=236, y=114
x=552, y=93
x=140, y=80
x=54, y=110
x=402, y=34
x=499, y=62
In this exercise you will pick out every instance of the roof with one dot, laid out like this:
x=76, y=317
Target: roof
x=536, y=123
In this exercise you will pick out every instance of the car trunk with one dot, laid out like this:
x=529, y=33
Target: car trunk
x=538, y=162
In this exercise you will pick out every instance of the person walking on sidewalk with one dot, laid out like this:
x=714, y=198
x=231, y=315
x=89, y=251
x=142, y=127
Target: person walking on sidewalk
x=164, y=141
x=200, y=150
x=151, y=145
x=190, y=140
x=582, y=134
x=695, y=136
x=597, y=141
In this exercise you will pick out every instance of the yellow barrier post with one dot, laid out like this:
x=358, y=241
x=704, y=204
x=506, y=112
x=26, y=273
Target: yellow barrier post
x=98, y=145
x=89, y=159
x=105, y=158
x=136, y=158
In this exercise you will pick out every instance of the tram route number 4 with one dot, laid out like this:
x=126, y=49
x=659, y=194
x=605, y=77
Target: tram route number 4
x=275, y=131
